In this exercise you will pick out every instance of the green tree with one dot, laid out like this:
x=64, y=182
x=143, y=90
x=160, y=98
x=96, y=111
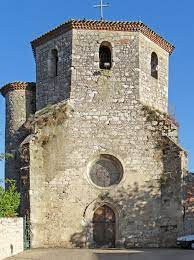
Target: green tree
x=5, y=156
x=9, y=199
x=2, y=156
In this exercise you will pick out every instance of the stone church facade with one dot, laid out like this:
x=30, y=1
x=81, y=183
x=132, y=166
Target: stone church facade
x=96, y=155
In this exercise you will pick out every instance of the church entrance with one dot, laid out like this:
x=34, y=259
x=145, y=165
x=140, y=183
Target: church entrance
x=104, y=227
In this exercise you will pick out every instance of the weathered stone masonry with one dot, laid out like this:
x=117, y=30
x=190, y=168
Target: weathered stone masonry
x=20, y=104
x=189, y=204
x=87, y=116
x=11, y=237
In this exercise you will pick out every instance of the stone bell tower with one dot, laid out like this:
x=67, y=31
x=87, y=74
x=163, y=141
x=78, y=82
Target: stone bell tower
x=68, y=57
x=20, y=104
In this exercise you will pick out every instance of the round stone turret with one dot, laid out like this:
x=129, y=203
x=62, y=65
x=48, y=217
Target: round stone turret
x=20, y=99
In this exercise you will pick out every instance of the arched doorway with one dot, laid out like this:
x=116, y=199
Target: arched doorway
x=104, y=223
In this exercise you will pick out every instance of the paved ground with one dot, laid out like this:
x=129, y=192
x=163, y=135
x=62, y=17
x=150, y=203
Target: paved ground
x=65, y=254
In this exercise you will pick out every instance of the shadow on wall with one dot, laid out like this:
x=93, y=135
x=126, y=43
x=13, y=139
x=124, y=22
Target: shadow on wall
x=144, y=219
x=11, y=248
x=79, y=240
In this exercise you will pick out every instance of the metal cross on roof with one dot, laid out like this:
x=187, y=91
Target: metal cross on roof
x=101, y=6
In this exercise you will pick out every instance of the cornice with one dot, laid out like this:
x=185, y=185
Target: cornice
x=17, y=85
x=104, y=25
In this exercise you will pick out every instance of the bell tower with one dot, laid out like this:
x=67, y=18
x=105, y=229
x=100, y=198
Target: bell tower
x=20, y=104
x=125, y=56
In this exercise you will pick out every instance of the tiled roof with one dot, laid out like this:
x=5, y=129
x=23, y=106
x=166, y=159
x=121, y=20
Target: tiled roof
x=104, y=25
x=17, y=85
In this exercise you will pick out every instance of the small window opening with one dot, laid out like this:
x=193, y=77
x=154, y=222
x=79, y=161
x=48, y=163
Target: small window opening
x=105, y=55
x=154, y=65
x=53, y=63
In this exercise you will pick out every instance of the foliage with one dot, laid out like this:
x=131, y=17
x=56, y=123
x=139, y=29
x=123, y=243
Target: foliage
x=2, y=156
x=158, y=116
x=163, y=180
x=152, y=114
x=5, y=156
x=9, y=199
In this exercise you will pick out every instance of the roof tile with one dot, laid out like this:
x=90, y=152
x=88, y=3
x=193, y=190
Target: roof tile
x=104, y=25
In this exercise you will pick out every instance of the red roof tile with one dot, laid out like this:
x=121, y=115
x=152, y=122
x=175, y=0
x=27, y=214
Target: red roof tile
x=104, y=25
x=17, y=85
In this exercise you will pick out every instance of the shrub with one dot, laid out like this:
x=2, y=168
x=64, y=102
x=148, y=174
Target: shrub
x=9, y=199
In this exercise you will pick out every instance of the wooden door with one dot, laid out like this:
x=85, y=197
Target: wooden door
x=104, y=227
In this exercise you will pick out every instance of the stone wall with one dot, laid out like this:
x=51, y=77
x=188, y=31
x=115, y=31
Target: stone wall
x=171, y=192
x=92, y=87
x=189, y=204
x=153, y=92
x=11, y=237
x=64, y=144
x=50, y=90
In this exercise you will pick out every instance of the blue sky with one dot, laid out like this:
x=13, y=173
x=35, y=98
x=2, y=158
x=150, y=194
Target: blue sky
x=22, y=21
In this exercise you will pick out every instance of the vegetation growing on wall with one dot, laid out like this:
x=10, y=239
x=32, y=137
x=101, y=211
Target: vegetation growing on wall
x=162, y=127
x=51, y=116
x=155, y=115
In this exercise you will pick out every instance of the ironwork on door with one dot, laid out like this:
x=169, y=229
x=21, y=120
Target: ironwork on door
x=104, y=227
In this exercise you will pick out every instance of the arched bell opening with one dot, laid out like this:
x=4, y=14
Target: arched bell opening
x=105, y=56
x=154, y=65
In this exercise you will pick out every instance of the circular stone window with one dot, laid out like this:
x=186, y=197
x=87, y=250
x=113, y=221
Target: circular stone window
x=106, y=171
